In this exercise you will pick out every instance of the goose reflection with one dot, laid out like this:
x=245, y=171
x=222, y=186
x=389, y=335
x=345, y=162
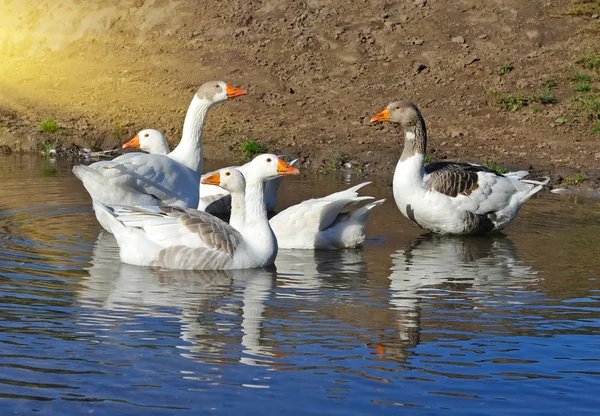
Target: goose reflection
x=205, y=303
x=308, y=270
x=436, y=268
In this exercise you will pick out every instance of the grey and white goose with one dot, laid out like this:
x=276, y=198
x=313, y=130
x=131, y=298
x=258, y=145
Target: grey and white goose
x=451, y=198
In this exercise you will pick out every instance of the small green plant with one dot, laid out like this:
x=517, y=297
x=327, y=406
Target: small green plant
x=575, y=180
x=515, y=101
x=545, y=97
x=251, y=148
x=49, y=148
x=49, y=126
x=495, y=167
x=510, y=101
x=536, y=109
x=550, y=83
x=506, y=69
x=582, y=77
x=596, y=128
x=427, y=159
x=336, y=163
x=591, y=60
x=583, y=87
x=588, y=105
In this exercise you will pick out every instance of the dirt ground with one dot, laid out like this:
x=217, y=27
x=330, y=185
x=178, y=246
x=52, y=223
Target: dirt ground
x=316, y=71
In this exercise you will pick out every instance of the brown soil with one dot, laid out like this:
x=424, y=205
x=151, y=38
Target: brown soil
x=316, y=71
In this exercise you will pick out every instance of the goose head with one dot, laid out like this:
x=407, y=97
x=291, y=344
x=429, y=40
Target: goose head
x=403, y=112
x=149, y=140
x=216, y=92
x=268, y=166
x=230, y=179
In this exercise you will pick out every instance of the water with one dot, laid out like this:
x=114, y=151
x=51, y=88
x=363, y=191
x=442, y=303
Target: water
x=422, y=324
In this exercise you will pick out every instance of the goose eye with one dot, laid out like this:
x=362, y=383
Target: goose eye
x=227, y=173
x=397, y=108
x=269, y=160
x=218, y=86
x=146, y=135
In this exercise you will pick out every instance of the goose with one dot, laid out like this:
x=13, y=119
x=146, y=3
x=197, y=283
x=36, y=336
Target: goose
x=154, y=179
x=150, y=141
x=451, y=198
x=172, y=237
x=213, y=199
x=325, y=223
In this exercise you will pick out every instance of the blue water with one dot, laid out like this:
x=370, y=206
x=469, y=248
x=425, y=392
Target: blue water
x=411, y=323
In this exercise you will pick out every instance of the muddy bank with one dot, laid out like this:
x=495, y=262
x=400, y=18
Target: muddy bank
x=315, y=72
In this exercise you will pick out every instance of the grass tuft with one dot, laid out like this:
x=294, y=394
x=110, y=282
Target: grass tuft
x=49, y=126
x=515, y=101
x=590, y=60
x=495, y=167
x=506, y=69
x=588, y=106
x=251, y=148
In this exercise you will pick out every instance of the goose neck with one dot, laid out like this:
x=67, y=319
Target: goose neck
x=189, y=150
x=415, y=139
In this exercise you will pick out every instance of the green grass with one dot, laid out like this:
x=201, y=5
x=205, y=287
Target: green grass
x=536, y=109
x=588, y=106
x=596, y=128
x=251, y=148
x=575, y=180
x=590, y=60
x=495, y=167
x=506, y=69
x=582, y=77
x=583, y=87
x=427, y=159
x=49, y=147
x=545, y=97
x=515, y=101
x=49, y=126
x=550, y=83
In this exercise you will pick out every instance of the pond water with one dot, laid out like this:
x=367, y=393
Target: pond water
x=492, y=325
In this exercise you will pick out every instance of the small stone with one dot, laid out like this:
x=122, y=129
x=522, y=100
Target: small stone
x=458, y=39
x=418, y=41
x=420, y=3
x=595, y=16
x=403, y=18
x=483, y=36
x=419, y=67
x=347, y=165
x=597, y=156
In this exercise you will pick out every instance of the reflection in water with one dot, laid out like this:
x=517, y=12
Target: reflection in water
x=189, y=296
x=460, y=325
x=310, y=269
x=448, y=268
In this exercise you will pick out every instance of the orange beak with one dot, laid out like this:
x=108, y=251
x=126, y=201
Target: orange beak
x=135, y=142
x=233, y=92
x=286, y=169
x=214, y=179
x=383, y=116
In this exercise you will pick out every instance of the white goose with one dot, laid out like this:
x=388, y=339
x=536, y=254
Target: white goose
x=153, y=179
x=213, y=199
x=451, y=198
x=150, y=141
x=178, y=238
x=320, y=223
